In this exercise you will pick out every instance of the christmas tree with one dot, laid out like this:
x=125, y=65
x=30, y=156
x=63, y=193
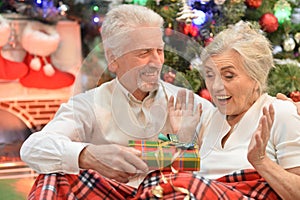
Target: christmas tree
x=200, y=20
x=279, y=20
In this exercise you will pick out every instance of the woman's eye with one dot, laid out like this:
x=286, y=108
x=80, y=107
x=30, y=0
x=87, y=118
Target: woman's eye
x=228, y=75
x=209, y=74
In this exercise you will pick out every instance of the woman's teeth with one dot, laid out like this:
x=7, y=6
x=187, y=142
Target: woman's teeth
x=223, y=97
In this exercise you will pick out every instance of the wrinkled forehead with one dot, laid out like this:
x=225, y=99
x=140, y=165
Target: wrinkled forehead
x=130, y=40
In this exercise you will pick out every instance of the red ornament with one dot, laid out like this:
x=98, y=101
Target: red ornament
x=204, y=93
x=191, y=30
x=168, y=31
x=295, y=96
x=268, y=22
x=253, y=3
x=207, y=41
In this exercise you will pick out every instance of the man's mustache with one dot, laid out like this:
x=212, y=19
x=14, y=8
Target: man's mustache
x=148, y=69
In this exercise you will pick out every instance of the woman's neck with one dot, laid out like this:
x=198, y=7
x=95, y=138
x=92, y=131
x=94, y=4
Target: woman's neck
x=234, y=119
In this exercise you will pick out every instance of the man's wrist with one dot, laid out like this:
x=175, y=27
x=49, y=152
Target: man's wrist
x=84, y=158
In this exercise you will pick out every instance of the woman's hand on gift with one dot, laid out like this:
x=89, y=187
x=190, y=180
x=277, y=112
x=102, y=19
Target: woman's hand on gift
x=183, y=117
x=113, y=161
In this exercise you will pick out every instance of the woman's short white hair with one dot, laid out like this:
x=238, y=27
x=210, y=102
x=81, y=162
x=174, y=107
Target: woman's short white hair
x=254, y=48
x=126, y=17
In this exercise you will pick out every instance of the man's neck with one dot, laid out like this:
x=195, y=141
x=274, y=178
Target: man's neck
x=140, y=95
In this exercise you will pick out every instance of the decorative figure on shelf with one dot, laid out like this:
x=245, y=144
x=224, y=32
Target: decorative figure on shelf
x=187, y=14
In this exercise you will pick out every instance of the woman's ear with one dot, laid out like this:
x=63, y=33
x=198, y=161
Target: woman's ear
x=256, y=87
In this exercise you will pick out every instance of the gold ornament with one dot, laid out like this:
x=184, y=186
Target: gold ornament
x=297, y=37
x=235, y=1
x=158, y=191
x=289, y=44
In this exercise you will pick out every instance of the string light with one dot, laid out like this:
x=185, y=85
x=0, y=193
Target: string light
x=282, y=11
x=95, y=8
x=201, y=17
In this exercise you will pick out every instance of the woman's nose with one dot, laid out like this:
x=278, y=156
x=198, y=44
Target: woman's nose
x=218, y=84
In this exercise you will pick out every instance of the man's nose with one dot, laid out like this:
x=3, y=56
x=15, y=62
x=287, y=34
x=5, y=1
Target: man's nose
x=157, y=56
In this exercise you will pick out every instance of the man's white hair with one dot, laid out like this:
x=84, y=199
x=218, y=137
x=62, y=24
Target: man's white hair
x=128, y=17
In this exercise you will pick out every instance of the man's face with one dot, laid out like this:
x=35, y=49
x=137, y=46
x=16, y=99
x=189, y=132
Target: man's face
x=139, y=70
x=136, y=56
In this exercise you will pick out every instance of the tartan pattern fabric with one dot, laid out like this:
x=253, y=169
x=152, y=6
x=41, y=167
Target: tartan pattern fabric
x=160, y=155
x=244, y=184
x=87, y=185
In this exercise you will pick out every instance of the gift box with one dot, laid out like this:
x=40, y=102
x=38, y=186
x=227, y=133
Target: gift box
x=167, y=155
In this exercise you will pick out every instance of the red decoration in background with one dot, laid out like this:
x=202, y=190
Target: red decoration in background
x=168, y=31
x=10, y=70
x=191, y=30
x=253, y=3
x=295, y=96
x=39, y=79
x=204, y=93
x=169, y=77
x=268, y=22
x=208, y=40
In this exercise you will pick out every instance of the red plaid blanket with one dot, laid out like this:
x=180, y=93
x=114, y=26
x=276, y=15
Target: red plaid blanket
x=245, y=184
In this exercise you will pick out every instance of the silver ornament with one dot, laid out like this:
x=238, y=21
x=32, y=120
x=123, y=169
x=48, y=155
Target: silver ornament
x=295, y=17
x=277, y=49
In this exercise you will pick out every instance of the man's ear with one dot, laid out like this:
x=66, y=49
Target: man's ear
x=112, y=64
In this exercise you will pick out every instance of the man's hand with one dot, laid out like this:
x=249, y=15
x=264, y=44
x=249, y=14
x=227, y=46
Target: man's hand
x=260, y=138
x=284, y=97
x=183, y=118
x=113, y=161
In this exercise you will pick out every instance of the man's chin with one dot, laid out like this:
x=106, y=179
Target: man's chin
x=148, y=87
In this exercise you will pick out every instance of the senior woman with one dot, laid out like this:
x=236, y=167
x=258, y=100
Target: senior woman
x=248, y=129
x=250, y=145
x=239, y=133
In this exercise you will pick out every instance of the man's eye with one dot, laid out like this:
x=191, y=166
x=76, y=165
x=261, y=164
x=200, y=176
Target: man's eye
x=143, y=52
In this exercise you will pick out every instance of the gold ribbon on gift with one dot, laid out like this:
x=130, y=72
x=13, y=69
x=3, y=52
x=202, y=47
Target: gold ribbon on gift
x=158, y=190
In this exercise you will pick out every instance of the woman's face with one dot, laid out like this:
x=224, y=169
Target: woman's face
x=233, y=91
